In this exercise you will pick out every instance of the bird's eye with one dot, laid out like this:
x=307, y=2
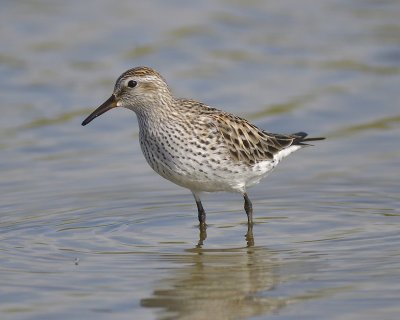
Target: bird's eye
x=132, y=84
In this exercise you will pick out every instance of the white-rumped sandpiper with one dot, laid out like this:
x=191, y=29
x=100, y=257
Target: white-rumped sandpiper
x=197, y=146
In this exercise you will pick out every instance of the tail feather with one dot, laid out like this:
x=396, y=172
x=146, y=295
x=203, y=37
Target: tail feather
x=300, y=134
x=314, y=139
x=300, y=138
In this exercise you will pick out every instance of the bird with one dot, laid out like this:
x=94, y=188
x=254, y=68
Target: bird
x=197, y=146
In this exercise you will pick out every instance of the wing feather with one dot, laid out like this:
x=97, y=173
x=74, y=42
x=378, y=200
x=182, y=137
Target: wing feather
x=244, y=141
x=248, y=143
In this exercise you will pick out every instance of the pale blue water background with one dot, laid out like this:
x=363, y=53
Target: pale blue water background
x=88, y=231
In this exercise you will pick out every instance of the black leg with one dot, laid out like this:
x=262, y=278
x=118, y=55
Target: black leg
x=248, y=207
x=201, y=213
x=200, y=210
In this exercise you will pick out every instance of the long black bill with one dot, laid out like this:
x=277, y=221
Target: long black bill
x=109, y=104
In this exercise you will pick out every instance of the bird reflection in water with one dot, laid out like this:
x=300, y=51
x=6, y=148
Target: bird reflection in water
x=217, y=284
x=203, y=235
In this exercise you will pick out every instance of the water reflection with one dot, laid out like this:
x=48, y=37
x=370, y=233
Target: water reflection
x=217, y=284
x=203, y=235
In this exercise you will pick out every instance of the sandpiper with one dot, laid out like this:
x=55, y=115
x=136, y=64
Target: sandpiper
x=194, y=145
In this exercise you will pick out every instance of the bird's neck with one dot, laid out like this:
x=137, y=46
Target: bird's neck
x=153, y=119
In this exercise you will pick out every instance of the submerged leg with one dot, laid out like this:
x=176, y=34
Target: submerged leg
x=248, y=207
x=249, y=235
x=202, y=235
x=200, y=210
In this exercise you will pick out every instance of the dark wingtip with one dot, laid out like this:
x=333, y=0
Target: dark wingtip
x=314, y=139
x=301, y=138
x=301, y=134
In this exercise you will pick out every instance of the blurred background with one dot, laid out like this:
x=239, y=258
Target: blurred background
x=88, y=231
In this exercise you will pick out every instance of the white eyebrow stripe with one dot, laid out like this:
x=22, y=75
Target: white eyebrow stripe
x=147, y=78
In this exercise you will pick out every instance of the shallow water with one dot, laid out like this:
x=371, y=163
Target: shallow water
x=88, y=231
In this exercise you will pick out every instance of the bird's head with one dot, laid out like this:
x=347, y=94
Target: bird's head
x=137, y=89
